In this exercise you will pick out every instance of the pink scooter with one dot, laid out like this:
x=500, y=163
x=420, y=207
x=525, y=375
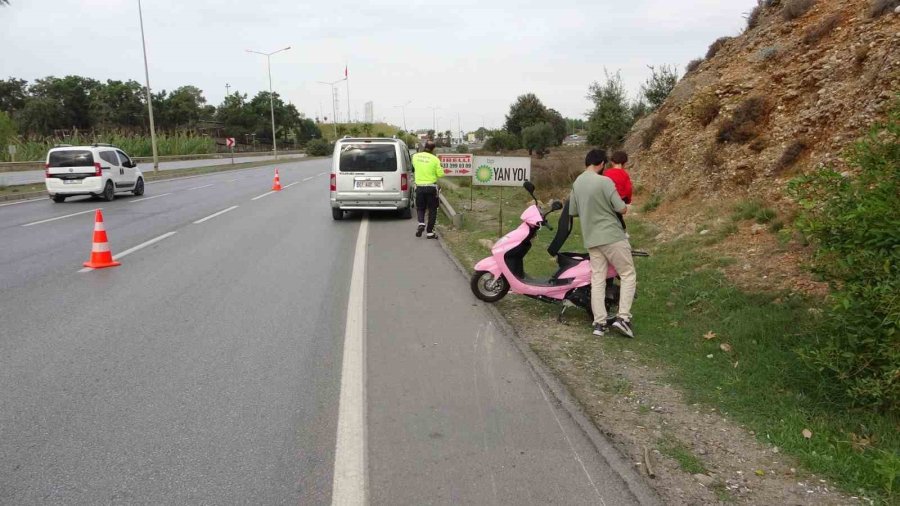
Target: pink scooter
x=570, y=286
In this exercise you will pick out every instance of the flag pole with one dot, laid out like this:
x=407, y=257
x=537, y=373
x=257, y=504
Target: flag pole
x=347, y=77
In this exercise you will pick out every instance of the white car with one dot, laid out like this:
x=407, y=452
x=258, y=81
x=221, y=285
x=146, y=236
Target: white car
x=371, y=174
x=100, y=170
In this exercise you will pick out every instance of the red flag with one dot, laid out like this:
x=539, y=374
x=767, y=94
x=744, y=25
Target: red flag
x=346, y=74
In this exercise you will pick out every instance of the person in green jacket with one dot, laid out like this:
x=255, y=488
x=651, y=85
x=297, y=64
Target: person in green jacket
x=595, y=200
x=428, y=170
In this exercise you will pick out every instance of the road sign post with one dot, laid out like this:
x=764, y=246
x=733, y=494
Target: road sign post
x=229, y=142
x=501, y=171
x=459, y=165
x=12, y=152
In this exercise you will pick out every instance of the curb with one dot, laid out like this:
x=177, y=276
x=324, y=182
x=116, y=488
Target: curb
x=635, y=483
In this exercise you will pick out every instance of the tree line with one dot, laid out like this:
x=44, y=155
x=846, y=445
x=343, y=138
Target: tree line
x=54, y=107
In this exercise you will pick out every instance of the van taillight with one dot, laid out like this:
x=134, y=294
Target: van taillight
x=97, y=170
x=46, y=170
x=334, y=182
x=404, y=182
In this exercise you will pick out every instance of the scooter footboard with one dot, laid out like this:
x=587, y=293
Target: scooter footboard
x=489, y=265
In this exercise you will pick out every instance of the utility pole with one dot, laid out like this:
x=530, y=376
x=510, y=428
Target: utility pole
x=271, y=95
x=227, y=89
x=333, y=102
x=403, y=109
x=149, y=96
x=434, y=118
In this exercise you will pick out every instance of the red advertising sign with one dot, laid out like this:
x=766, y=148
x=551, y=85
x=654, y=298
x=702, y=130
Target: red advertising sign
x=456, y=165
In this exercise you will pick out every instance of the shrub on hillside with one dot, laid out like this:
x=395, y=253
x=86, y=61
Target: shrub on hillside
x=502, y=141
x=744, y=124
x=790, y=156
x=659, y=85
x=880, y=7
x=793, y=9
x=818, y=32
x=706, y=108
x=656, y=127
x=693, y=65
x=853, y=223
x=319, y=147
x=716, y=46
x=754, y=17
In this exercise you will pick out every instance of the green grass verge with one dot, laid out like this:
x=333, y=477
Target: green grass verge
x=759, y=383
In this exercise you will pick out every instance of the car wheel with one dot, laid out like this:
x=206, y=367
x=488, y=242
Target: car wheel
x=139, y=187
x=58, y=198
x=337, y=214
x=109, y=193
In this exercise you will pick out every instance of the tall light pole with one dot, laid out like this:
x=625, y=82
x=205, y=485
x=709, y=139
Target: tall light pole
x=149, y=96
x=403, y=108
x=434, y=118
x=271, y=95
x=333, y=106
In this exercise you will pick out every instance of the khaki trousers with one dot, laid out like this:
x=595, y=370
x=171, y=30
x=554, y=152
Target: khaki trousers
x=619, y=255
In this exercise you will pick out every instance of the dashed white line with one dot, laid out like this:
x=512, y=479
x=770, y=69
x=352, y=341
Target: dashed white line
x=289, y=185
x=211, y=216
x=307, y=179
x=199, y=187
x=21, y=202
x=153, y=197
x=136, y=248
x=59, y=218
x=350, y=482
x=321, y=173
x=263, y=195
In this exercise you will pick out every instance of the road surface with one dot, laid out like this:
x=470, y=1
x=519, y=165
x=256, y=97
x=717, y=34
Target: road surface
x=251, y=350
x=37, y=176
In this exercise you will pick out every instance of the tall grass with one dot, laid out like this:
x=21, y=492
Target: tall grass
x=168, y=144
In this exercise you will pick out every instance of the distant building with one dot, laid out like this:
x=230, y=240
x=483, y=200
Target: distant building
x=370, y=112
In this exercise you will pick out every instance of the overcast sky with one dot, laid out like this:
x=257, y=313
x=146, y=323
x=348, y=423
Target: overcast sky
x=470, y=58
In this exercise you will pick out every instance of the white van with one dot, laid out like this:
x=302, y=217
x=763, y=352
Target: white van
x=371, y=174
x=100, y=170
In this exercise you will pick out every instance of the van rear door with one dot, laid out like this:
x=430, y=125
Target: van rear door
x=368, y=170
x=71, y=164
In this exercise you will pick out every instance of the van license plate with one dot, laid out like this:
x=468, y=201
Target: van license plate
x=367, y=185
x=71, y=181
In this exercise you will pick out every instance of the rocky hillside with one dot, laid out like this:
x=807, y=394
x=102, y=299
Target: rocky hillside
x=806, y=79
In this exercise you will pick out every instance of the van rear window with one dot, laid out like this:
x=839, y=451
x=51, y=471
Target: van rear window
x=73, y=158
x=368, y=158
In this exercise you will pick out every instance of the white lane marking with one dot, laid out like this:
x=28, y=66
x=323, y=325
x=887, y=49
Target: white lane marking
x=59, y=217
x=307, y=179
x=136, y=248
x=198, y=187
x=153, y=197
x=233, y=180
x=289, y=185
x=350, y=484
x=22, y=202
x=211, y=216
x=321, y=173
x=263, y=195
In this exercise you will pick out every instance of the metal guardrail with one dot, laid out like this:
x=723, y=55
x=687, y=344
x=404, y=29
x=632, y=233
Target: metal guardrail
x=39, y=165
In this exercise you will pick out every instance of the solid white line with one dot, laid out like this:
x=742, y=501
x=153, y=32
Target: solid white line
x=59, y=217
x=136, y=248
x=263, y=195
x=153, y=197
x=350, y=483
x=307, y=179
x=211, y=216
x=198, y=187
x=289, y=185
x=22, y=202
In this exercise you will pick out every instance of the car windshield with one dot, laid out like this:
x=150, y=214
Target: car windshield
x=71, y=158
x=368, y=158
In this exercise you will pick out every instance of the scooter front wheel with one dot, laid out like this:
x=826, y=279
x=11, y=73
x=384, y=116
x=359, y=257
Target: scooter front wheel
x=488, y=288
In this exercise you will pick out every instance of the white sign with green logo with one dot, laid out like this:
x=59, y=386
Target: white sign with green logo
x=501, y=170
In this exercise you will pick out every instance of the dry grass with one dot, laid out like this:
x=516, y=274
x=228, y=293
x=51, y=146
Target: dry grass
x=711, y=157
x=879, y=8
x=693, y=65
x=744, y=124
x=754, y=17
x=794, y=9
x=790, y=156
x=656, y=127
x=860, y=56
x=716, y=46
x=818, y=32
x=706, y=109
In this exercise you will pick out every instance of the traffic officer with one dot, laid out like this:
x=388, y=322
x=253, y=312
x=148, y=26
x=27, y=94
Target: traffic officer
x=428, y=170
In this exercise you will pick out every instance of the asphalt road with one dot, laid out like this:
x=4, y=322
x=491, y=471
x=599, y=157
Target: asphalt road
x=37, y=176
x=268, y=355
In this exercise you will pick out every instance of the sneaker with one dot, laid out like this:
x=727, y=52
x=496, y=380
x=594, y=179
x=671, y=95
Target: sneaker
x=599, y=329
x=420, y=230
x=623, y=326
x=431, y=235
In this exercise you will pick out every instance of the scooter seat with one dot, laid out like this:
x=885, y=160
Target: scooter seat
x=569, y=260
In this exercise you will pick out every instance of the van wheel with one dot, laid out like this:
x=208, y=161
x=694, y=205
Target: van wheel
x=59, y=199
x=139, y=187
x=109, y=193
x=406, y=214
x=337, y=214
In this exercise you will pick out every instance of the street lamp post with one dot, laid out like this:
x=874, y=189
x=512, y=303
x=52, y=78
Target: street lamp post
x=434, y=119
x=271, y=95
x=333, y=106
x=149, y=96
x=403, y=109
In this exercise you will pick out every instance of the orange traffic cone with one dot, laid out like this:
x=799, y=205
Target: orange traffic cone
x=100, y=255
x=276, y=184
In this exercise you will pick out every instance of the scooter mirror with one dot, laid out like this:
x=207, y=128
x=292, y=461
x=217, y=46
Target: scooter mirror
x=556, y=205
x=529, y=187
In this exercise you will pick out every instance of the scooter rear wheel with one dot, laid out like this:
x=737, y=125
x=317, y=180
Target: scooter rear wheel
x=488, y=288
